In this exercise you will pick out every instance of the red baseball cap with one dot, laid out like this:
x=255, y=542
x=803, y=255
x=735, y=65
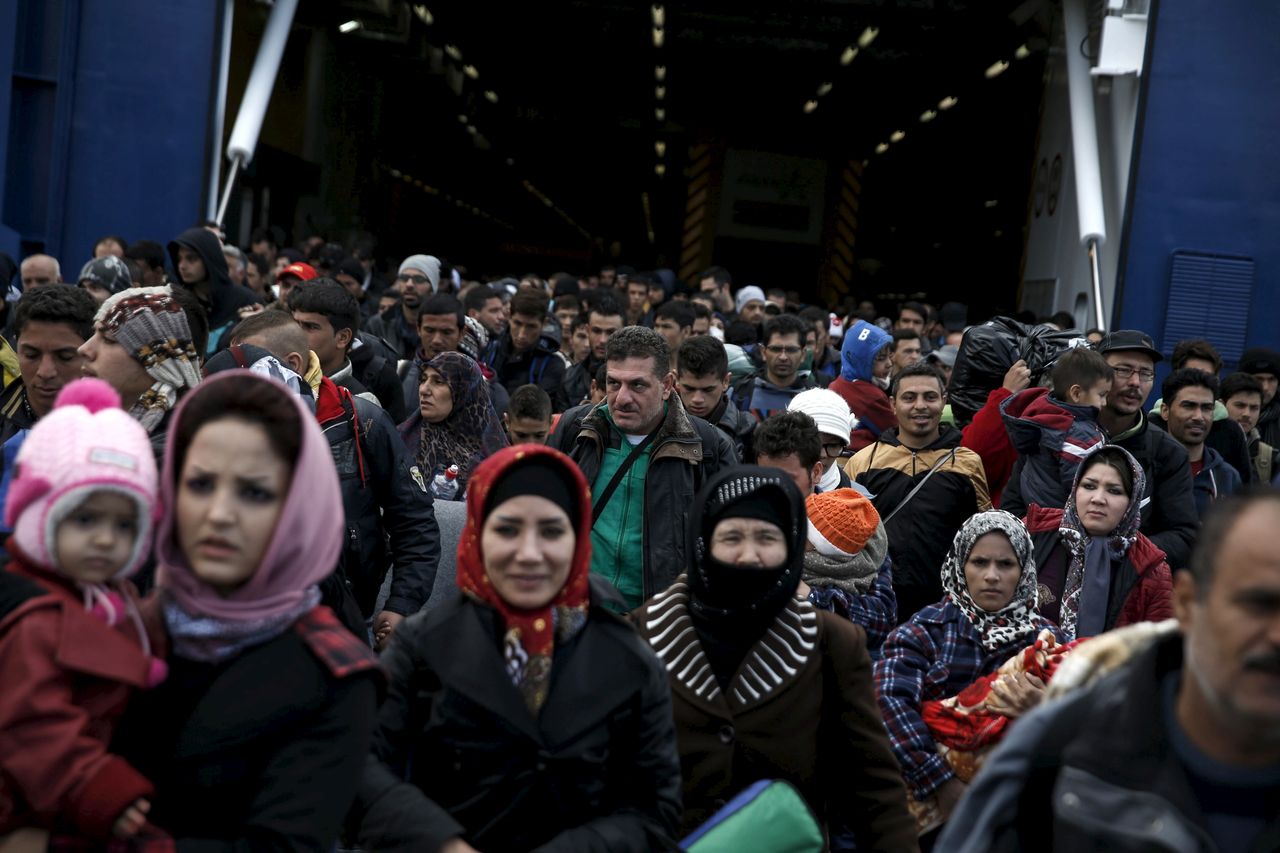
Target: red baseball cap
x=306, y=272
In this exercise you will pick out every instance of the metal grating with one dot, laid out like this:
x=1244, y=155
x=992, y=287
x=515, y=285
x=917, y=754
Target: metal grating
x=1209, y=297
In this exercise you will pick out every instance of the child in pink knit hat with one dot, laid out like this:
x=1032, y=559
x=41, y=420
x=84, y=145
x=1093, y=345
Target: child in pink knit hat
x=74, y=647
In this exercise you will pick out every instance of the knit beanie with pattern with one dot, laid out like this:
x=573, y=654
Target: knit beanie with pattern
x=152, y=327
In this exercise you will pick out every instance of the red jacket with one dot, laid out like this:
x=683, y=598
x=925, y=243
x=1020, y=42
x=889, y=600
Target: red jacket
x=66, y=678
x=1149, y=582
x=870, y=405
x=986, y=436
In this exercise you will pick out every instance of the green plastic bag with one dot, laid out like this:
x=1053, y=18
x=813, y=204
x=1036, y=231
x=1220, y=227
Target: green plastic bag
x=768, y=817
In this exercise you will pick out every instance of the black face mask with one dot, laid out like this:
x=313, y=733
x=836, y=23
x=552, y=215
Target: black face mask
x=733, y=606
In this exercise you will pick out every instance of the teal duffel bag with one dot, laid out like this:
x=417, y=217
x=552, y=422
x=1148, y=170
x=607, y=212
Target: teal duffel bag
x=768, y=817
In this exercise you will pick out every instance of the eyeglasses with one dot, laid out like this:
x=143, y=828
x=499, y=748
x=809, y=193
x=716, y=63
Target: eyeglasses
x=783, y=350
x=416, y=279
x=833, y=449
x=1124, y=374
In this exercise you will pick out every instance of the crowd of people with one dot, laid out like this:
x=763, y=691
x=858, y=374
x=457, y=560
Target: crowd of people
x=299, y=556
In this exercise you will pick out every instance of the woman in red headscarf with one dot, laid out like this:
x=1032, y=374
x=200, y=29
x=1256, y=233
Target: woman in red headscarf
x=523, y=715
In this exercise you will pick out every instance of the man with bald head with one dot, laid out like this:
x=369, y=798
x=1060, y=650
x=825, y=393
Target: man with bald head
x=39, y=271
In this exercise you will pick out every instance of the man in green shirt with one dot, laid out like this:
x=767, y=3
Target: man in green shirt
x=645, y=458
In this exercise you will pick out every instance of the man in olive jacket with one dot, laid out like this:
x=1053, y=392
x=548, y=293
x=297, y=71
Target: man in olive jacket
x=645, y=458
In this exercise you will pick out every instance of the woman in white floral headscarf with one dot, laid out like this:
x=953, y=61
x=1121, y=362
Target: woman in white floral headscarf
x=987, y=615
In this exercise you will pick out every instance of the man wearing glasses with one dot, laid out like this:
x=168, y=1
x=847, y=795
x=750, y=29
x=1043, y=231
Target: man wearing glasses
x=1169, y=516
x=771, y=388
x=419, y=278
x=831, y=413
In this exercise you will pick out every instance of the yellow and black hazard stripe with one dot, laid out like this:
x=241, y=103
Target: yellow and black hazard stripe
x=842, y=233
x=698, y=236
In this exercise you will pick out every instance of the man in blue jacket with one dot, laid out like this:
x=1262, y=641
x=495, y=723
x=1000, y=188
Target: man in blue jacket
x=772, y=387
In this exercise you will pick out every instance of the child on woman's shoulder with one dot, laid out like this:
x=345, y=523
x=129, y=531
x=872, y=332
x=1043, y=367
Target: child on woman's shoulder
x=1053, y=429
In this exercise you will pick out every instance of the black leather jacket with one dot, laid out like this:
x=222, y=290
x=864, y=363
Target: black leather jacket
x=736, y=424
x=385, y=498
x=686, y=453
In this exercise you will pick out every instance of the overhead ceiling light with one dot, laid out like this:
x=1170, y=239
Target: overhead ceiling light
x=948, y=102
x=424, y=14
x=868, y=36
x=848, y=55
x=471, y=71
x=659, y=92
x=659, y=15
x=659, y=170
x=349, y=27
x=453, y=52
x=660, y=147
x=660, y=114
x=491, y=96
x=810, y=106
x=1022, y=52
x=824, y=89
x=996, y=69
x=657, y=36
x=660, y=72
x=928, y=115
x=882, y=147
x=897, y=136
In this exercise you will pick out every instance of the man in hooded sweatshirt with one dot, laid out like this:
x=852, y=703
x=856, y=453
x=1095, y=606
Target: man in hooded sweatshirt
x=925, y=485
x=866, y=358
x=197, y=258
x=524, y=355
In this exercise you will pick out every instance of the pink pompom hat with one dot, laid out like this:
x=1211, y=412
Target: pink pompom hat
x=85, y=444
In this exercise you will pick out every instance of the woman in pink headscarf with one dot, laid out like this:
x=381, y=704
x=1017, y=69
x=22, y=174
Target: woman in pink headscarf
x=256, y=739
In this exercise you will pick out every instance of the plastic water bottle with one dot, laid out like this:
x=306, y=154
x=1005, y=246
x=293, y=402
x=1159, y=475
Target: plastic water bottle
x=445, y=484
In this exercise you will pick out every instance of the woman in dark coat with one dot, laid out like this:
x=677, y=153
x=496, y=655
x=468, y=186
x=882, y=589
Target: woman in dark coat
x=522, y=715
x=256, y=738
x=765, y=685
x=1096, y=570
